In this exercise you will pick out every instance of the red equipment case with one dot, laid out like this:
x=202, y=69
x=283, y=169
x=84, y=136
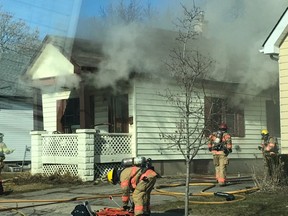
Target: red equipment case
x=114, y=212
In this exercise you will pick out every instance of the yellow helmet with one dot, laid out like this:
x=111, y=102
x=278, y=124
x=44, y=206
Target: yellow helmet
x=264, y=132
x=112, y=176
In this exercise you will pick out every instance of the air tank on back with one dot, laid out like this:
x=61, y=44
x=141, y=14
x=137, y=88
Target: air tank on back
x=134, y=161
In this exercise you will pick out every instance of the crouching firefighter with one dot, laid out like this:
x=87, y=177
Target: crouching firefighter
x=139, y=177
x=220, y=144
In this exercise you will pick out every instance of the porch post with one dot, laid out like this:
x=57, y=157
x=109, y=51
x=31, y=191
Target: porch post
x=36, y=151
x=86, y=154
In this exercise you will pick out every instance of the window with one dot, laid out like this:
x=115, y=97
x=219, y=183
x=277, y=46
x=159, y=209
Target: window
x=218, y=110
x=68, y=115
x=118, y=114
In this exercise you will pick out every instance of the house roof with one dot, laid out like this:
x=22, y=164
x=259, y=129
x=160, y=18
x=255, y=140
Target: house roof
x=12, y=67
x=277, y=35
x=87, y=54
x=80, y=52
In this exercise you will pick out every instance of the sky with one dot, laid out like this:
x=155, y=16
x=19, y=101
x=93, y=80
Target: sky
x=48, y=16
x=236, y=28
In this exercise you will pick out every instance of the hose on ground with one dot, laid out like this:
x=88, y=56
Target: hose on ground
x=238, y=194
x=158, y=190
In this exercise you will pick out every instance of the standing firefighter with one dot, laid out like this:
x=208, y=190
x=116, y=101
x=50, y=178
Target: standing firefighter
x=139, y=178
x=3, y=150
x=220, y=144
x=269, y=148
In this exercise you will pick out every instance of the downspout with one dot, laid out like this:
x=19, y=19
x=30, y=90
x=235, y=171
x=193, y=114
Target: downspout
x=274, y=57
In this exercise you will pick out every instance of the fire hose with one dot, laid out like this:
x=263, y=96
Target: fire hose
x=231, y=196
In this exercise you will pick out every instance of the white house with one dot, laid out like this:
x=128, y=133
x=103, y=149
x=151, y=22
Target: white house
x=89, y=129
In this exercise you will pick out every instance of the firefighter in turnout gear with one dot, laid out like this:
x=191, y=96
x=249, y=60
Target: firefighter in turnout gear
x=220, y=144
x=3, y=150
x=269, y=148
x=139, y=180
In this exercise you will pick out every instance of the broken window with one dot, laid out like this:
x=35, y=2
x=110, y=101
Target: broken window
x=218, y=110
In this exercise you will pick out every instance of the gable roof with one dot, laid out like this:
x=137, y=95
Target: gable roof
x=277, y=35
x=79, y=52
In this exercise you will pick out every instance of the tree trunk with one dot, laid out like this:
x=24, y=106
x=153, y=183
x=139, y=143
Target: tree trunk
x=187, y=188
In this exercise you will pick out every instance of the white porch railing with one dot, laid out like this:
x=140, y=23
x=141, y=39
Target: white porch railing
x=107, y=146
x=86, y=154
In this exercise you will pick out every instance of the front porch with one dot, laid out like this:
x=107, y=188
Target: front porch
x=86, y=153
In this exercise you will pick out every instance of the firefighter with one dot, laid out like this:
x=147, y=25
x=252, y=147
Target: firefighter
x=3, y=150
x=220, y=144
x=269, y=148
x=138, y=180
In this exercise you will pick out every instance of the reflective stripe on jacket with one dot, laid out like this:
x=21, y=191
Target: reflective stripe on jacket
x=129, y=179
x=270, y=145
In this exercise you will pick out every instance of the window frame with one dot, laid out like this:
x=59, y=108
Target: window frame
x=118, y=114
x=215, y=115
x=65, y=106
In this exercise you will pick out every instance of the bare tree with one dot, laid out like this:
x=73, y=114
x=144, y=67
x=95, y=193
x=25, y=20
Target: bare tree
x=187, y=67
x=16, y=36
x=128, y=12
x=18, y=43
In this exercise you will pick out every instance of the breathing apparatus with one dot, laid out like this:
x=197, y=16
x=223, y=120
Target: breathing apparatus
x=219, y=135
x=218, y=145
x=137, y=161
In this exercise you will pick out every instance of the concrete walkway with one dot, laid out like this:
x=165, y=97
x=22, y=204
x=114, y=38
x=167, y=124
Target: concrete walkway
x=61, y=201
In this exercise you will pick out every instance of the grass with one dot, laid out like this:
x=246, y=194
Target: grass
x=25, y=182
x=257, y=203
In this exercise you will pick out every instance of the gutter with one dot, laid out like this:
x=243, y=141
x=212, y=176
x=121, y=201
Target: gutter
x=273, y=56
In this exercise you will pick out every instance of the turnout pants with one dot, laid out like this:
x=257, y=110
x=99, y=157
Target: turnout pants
x=141, y=196
x=220, y=162
x=271, y=164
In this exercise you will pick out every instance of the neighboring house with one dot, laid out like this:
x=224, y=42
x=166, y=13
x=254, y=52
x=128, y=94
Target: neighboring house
x=16, y=107
x=276, y=46
x=126, y=121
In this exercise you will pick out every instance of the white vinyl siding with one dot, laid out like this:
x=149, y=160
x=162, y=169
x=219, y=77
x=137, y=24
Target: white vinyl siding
x=153, y=113
x=16, y=122
x=283, y=88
